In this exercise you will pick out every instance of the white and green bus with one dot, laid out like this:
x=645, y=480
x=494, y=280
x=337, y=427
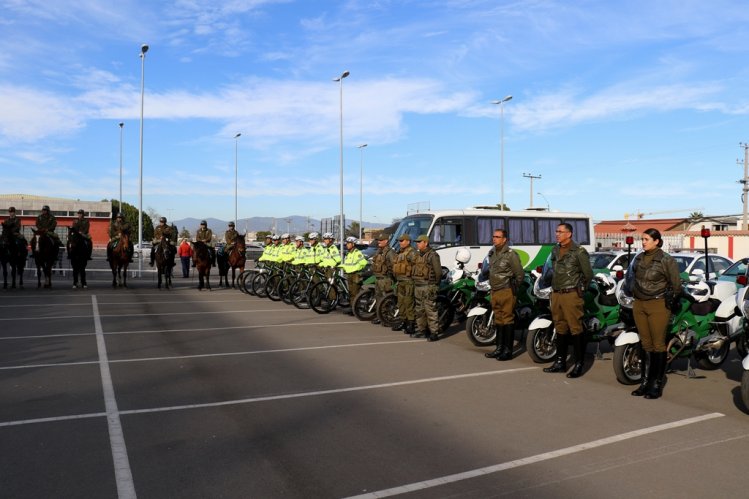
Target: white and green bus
x=531, y=232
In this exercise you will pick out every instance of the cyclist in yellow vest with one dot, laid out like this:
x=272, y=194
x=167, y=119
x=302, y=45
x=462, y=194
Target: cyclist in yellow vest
x=353, y=263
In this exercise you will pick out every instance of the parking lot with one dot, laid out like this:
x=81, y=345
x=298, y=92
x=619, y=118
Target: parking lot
x=181, y=393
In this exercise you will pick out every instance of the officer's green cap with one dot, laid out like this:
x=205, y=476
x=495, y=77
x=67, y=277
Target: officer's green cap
x=422, y=238
x=404, y=237
x=382, y=236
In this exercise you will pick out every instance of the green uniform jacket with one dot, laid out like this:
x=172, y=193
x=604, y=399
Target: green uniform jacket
x=382, y=262
x=48, y=223
x=83, y=227
x=315, y=254
x=287, y=252
x=205, y=235
x=163, y=232
x=12, y=227
x=571, y=270
x=505, y=268
x=654, y=274
x=427, y=268
x=116, y=229
x=403, y=263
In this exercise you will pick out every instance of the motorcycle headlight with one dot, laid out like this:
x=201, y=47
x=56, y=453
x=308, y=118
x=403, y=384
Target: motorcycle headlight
x=483, y=286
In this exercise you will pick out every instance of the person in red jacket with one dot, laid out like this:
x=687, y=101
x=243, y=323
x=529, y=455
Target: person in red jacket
x=185, y=254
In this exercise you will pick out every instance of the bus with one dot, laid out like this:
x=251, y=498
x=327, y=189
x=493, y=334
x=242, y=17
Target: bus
x=531, y=232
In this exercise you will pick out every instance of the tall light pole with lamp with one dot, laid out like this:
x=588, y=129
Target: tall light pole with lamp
x=340, y=81
x=143, y=50
x=236, y=174
x=501, y=103
x=361, y=186
x=121, y=124
x=547, y=201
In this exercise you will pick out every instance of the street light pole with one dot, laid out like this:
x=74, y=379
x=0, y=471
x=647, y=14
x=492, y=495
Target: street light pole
x=501, y=103
x=120, y=206
x=236, y=170
x=361, y=186
x=143, y=50
x=340, y=81
x=547, y=201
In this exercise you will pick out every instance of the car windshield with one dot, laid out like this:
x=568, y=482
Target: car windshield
x=738, y=268
x=413, y=226
x=683, y=261
x=601, y=260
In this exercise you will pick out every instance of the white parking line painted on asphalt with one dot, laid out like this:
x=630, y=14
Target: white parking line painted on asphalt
x=204, y=355
x=159, y=314
x=318, y=393
x=119, y=304
x=122, y=473
x=436, y=482
x=53, y=419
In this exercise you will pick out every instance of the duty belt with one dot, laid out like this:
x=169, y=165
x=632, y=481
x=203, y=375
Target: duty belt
x=565, y=290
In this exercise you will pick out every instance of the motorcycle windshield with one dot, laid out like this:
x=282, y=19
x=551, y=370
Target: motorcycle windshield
x=542, y=286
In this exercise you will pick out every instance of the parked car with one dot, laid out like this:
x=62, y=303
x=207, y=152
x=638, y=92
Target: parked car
x=738, y=273
x=689, y=262
x=605, y=261
x=253, y=251
x=145, y=250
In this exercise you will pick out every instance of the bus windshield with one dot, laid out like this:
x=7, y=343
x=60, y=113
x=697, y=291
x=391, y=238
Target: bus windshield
x=414, y=226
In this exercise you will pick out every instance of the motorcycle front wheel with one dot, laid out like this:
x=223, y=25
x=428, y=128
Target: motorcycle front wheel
x=445, y=312
x=540, y=344
x=480, y=331
x=745, y=388
x=712, y=359
x=627, y=364
x=364, y=305
x=742, y=344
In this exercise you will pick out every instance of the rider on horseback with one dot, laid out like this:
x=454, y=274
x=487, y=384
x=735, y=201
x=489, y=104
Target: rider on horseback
x=12, y=229
x=161, y=232
x=46, y=224
x=82, y=226
x=230, y=236
x=116, y=229
x=205, y=235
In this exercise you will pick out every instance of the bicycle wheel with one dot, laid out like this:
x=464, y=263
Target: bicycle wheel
x=283, y=289
x=387, y=310
x=364, y=305
x=271, y=287
x=241, y=280
x=322, y=297
x=298, y=293
x=258, y=285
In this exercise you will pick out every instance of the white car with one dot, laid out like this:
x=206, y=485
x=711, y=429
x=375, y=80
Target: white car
x=688, y=262
x=605, y=261
x=146, y=250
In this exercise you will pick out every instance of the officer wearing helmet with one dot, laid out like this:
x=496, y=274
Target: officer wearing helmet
x=505, y=276
x=46, y=224
x=382, y=267
x=288, y=249
x=11, y=226
x=230, y=237
x=267, y=256
x=353, y=263
x=331, y=256
x=300, y=252
x=402, y=268
x=82, y=226
x=315, y=252
x=426, y=274
x=118, y=227
x=163, y=232
x=205, y=236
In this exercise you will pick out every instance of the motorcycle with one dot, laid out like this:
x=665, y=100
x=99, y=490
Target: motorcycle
x=688, y=327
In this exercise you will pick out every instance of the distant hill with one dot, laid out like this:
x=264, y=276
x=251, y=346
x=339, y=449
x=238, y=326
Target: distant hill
x=296, y=224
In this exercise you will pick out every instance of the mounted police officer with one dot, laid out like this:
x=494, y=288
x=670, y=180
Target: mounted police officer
x=426, y=274
x=230, y=236
x=572, y=275
x=82, y=226
x=12, y=226
x=402, y=267
x=118, y=227
x=46, y=224
x=163, y=231
x=205, y=235
x=505, y=276
x=382, y=267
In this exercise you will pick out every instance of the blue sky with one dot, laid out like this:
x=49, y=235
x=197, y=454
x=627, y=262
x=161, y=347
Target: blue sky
x=619, y=106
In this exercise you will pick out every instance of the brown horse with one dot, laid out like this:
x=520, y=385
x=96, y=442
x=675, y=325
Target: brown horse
x=234, y=260
x=164, y=262
x=119, y=261
x=201, y=257
x=14, y=252
x=45, y=253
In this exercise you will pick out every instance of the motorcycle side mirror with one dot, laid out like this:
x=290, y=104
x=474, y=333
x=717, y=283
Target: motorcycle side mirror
x=619, y=275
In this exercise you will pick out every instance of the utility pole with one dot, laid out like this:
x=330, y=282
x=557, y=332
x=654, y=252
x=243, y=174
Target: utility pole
x=745, y=182
x=531, y=176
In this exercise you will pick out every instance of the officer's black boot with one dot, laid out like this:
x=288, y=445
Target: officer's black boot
x=109, y=252
x=153, y=251
x=560, y=364
x=376, y=321
x=658, y=368
x=645, y=370
x=578, y=348
x=508, y=333
x=410, y=327
x=399, y=325
x=433, y=337
x=498, y=341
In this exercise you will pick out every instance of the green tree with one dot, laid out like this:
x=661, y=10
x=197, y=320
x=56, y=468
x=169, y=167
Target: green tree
x=353, y=230
x=131, y=216
x=696, y=215
x=185, y=234
x=262, y=234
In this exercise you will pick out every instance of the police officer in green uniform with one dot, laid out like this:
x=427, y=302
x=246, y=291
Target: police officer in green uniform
x=382, y=267
x=572, y=274
x=118, y=227
x=163, y=231
x=426, y=273
x=11, y=227
x=82, y=226
x=402, y=267
x=505, y=276
x=353, y=263
x=205, y=235
x=315, y=252
x=46, y=223
x=230, y=237
x=656, y=277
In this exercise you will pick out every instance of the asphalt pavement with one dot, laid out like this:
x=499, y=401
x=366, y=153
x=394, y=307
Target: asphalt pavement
x=181, y=393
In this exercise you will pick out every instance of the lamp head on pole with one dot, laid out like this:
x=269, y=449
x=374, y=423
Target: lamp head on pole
x=237, y=135
x=121, y=124
x=343, y=75
x=505, y=99
x=143, y=49
x=362, y=146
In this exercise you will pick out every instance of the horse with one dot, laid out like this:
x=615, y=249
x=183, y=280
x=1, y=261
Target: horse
x=201, y=258
x=119, y=260
x=45, y=253
x=13, y=251
x=164, y=262
x=78, y=255
x=234, y=260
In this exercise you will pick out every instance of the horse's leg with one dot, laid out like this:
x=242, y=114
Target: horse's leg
x=39, y=273
x=75, y=275
x=124, y=275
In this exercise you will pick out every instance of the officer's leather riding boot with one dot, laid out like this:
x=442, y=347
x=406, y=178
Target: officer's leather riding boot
x=508, y=333
x=578, y=348
x=433, y=337
x=153, y=251
x=398, y=326
x=410, y=327
x=109, y=252
x=376, y=321
x=658, y=368
x=498, y=341
x=646, y=372
x=560, y=364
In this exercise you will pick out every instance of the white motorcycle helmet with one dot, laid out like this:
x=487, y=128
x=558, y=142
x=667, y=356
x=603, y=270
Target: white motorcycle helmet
x=463, y=255
x=700, y=291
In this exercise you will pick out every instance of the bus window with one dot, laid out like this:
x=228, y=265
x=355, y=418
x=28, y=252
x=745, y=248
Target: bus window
x=522, y=231
x=485, y=229
x=546, y=230
x=447, y=232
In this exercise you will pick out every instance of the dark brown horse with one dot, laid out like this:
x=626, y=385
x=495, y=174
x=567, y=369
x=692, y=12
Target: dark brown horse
x=119, y=260
x=13, y=252
x=201, y=257
x=165, y=262
x=45, y=253
x=78, y=254
x=234, y=260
